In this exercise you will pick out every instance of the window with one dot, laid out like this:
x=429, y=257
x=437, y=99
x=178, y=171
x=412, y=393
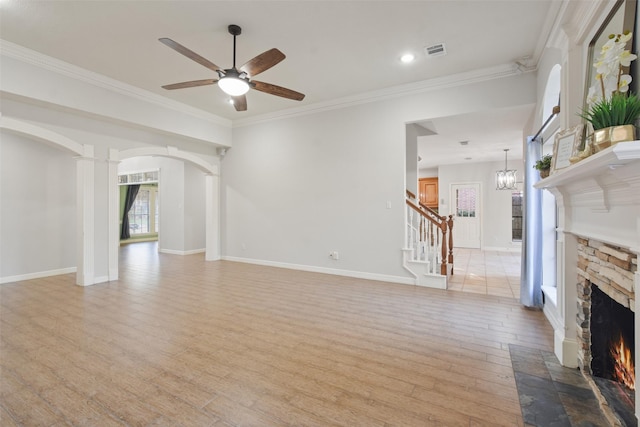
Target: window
x=144, y=215
x=516, y=216
x=138, y=178
x=466, y=202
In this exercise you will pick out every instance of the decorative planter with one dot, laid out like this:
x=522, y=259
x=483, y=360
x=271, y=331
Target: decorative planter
x=544, y=173
x=605, y=138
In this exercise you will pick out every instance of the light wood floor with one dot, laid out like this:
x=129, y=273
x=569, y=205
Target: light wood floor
x=180, y=341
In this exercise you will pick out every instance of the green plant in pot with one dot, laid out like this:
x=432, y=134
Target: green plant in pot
x=543, y=165
x=612, y=110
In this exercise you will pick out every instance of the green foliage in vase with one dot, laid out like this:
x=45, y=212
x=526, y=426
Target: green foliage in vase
x=620, y=109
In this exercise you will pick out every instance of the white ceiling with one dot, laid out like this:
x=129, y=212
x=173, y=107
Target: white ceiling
x=334, y=49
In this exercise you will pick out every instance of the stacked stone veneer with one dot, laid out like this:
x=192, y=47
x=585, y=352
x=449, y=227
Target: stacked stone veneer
x=612, y=270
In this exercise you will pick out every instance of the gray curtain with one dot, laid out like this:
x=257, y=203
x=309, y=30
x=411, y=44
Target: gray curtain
x=132, y=192
x=531, y=274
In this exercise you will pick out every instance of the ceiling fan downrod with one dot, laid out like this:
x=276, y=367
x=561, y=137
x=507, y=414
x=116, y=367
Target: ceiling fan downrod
x=234, y=30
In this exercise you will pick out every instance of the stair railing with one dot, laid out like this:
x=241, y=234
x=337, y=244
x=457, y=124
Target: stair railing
x=427, y=236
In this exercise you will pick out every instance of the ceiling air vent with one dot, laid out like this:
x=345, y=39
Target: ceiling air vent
x=435, y=50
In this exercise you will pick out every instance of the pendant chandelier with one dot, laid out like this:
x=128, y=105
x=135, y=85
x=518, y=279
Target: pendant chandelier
x=506, y=179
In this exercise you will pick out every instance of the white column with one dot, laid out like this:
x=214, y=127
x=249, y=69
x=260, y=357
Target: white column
x=565, y=337
x=212, y=214
x=114, y=214
x=85, y=218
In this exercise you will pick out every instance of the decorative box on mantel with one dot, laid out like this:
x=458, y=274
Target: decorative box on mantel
x=598, y=200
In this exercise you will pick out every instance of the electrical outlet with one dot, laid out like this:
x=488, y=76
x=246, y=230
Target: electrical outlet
x=334, y=255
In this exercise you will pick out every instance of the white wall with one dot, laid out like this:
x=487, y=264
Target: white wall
x=428, y=173
x=37, y=207
x=171, y=234
x=496, y=204
x=412, y=159
x=194, y=209
x=295, y=189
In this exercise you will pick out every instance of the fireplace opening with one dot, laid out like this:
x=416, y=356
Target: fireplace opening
x=612, y=352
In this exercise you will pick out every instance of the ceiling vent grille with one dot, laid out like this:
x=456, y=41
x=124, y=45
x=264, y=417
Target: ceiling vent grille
x=435, y=50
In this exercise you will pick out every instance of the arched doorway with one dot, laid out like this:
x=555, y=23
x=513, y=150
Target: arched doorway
x=211, y=197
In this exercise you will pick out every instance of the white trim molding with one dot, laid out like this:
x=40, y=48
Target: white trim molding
x=37, y=275
x=333, y=271
x=41, y=134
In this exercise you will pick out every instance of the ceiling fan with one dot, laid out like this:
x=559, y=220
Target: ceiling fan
x=236, y=81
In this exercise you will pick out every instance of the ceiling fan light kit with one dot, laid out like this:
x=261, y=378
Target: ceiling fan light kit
x=233, y=85
x=236, y=82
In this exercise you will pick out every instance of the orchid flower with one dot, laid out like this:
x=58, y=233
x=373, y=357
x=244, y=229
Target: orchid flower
x=609, y=66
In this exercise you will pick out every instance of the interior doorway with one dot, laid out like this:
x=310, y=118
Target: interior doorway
x=189, y=201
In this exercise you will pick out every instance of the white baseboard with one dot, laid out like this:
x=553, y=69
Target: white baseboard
x=174, y=252
x=37, y=275
x=334, y=271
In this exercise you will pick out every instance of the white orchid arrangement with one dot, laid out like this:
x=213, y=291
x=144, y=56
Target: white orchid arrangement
x=609, y=101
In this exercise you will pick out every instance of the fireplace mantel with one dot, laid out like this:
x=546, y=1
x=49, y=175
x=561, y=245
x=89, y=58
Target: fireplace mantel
x=612, y=161
x=602, y=193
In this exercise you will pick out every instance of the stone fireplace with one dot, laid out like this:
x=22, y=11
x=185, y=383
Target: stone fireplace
x=597, y=247
x=606, y=325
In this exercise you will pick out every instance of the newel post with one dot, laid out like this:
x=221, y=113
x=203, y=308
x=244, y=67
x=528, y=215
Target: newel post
x=450, y=224
x=443, y=227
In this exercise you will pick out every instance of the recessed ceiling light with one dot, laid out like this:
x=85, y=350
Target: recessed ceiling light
x=407, y=57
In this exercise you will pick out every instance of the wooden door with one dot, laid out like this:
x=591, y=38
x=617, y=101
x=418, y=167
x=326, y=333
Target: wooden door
x=429, y=192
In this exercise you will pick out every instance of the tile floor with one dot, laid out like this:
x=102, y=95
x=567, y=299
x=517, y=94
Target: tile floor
x=552, y=395
x=486, y=272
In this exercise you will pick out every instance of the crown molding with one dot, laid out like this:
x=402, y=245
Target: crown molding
x=455, y=80
x=552, y=25
x=29, y=56
x=585, y=18
x=32, y=57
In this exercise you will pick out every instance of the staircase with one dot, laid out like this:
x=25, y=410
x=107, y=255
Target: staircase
x=428, y=251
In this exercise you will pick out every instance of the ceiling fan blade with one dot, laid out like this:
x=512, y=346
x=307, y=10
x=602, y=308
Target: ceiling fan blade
x=240, y=102
x=192, y=83
x=277, y=90
x=262, y=62
x=189, y=54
